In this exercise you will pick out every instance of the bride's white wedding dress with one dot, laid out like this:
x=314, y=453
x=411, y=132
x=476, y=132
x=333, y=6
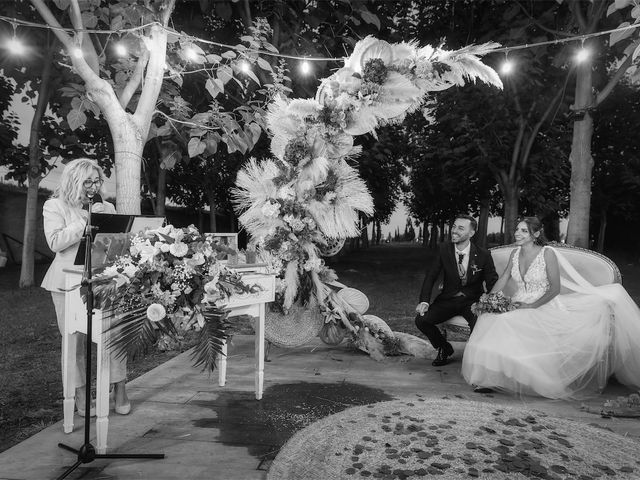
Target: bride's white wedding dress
x=568, y=346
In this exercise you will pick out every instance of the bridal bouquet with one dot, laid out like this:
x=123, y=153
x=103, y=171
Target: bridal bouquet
x=493, y=303
x=171, y=281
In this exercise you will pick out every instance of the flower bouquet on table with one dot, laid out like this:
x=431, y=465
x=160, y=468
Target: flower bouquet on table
x=493, y=303
x=171, y=281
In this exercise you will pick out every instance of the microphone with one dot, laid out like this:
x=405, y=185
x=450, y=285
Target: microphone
x=94, y=197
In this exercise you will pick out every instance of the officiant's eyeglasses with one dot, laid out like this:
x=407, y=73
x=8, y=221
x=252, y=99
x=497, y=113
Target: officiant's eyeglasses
x=89, y=183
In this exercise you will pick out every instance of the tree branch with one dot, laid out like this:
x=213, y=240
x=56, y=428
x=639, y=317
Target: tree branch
x=133, y=83
x=88, y=50
x=579, y=14
x=537, y=23
x=157, y=46
x=80, y=64
x=524, y=158
x=597, y=9
x=613, y=81
x=247, y=10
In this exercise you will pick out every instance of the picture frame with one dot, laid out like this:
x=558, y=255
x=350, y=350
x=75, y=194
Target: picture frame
x=228, y=241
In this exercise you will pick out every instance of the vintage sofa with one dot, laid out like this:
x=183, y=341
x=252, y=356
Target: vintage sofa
x=595, y=267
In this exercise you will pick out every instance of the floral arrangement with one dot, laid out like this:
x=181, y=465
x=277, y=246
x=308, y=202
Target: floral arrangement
x=173, y=281
x=308, y=197
x=493, y=303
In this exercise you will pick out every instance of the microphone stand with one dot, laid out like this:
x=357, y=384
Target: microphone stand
x=87, y=452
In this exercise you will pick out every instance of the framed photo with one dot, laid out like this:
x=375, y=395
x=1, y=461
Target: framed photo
x=140, y=223
x=107, y=247
x=227, y=244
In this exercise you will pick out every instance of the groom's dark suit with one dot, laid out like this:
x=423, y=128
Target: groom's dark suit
x=458, y=294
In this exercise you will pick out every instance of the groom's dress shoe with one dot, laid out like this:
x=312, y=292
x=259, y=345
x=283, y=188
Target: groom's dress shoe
x=444, y=353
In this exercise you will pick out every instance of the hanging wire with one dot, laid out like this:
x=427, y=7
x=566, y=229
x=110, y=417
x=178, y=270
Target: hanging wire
x=26, y=23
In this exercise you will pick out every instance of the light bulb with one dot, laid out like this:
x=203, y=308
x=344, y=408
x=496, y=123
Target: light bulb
x=191, y=54
x=245, y=67
x=582, y=55
x=120, y=49
x=305, y=67
x=15, y=46
x=507, y=67
x=76, y=52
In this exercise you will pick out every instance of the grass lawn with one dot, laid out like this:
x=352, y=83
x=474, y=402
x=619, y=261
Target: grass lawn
x=30, y=380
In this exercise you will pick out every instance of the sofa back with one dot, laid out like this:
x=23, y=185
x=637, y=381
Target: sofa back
x=593, y=266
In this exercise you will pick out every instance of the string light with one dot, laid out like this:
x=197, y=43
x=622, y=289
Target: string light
x=76, y=52
x=583, y=55
x=14, y=45
x=120, y=50
x=191, y=54
x=305, y=67
x=507, y=66
x=244, y=66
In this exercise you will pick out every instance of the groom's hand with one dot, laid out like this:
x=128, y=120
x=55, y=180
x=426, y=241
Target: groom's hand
x=422, y=308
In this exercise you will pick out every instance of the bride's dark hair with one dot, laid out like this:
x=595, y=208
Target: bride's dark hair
x=534, y=225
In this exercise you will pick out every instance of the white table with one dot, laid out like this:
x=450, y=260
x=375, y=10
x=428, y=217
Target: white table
x=76, y=321
x=254, y=305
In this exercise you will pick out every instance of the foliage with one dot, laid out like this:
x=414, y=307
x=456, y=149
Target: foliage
x=616, y=152
x=382, y=166
x=517, y=147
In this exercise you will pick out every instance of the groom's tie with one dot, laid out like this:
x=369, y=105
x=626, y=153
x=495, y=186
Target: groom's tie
x=461, y=271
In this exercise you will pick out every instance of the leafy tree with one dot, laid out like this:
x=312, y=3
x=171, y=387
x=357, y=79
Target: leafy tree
x=595, y=79
x=616, y=152
x=381, y=165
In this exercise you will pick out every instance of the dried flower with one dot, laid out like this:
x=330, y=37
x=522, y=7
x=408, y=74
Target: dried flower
x=375, y=71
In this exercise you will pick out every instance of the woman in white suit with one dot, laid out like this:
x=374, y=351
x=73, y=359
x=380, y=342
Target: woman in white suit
x=65, y=217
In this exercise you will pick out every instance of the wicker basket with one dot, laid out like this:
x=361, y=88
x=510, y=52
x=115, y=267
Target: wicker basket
x=299, y=326
x=332, y=247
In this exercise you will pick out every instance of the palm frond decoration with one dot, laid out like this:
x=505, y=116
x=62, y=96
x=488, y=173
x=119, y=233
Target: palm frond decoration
x=212, y=337
x=338, y=201
x=464, y=64
x=132, y=332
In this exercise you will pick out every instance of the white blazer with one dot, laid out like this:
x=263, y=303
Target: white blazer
x=63, y=228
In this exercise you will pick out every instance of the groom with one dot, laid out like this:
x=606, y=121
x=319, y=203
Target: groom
x=466, y=267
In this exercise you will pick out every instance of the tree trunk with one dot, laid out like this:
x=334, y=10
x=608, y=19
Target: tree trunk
x=483, y=223
x=511, y=200
x=201, y=220
x=425, y=233
x=365, y=236
x=27, y=278
x=128, y=143
x=551, y=223
x=434, y=236
x=213, y=224
x=378, y=233
x=161, y=194
x=149, y=194
x=442, y=230
x=602, y=230
x=232, y=221
x=581, y=161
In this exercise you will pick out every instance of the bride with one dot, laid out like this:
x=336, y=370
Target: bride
x=556, y=345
